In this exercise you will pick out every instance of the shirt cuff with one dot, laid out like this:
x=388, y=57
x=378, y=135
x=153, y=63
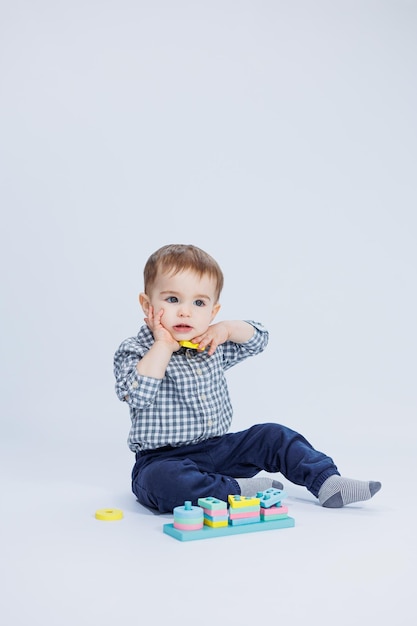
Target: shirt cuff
x=142, y=390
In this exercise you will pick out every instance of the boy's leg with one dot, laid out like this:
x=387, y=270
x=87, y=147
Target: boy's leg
x=164, y=481
x=273, y=448
x=276, y=448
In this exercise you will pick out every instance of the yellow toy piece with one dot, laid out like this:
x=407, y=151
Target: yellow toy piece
x=188, y=344
x=109, y=515
x=213, y=524
x=238, y=502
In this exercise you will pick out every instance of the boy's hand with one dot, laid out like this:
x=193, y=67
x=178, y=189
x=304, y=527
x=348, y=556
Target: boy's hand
x=160, y=333
x=213, y=337
x=237, y=331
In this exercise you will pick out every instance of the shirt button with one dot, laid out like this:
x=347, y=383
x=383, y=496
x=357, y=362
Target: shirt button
x=203, y=396
x=135, y=384
x=210, y=422
x=199, y=371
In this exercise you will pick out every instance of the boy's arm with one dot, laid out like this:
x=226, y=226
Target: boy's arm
x=133, y=386
x=139, y=372
x=237, y=331
x=155, y=362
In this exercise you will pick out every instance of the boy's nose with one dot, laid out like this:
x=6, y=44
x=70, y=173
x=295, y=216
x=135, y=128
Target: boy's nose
x=184, y=311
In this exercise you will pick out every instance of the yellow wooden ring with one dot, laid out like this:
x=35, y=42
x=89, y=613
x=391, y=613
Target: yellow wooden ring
x=109, y=515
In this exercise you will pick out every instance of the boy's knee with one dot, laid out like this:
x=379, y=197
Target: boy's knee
x=164, y=484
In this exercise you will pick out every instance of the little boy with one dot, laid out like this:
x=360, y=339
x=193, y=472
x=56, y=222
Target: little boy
x=179, y=401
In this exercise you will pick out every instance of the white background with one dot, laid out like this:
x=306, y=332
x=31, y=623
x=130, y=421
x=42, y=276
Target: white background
x=281, y=138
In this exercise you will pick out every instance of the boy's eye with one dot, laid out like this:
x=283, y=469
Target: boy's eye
x=199, y=303
x=172, y=299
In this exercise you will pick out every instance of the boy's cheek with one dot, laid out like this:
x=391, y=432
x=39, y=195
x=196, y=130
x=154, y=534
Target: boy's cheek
x=156, y=308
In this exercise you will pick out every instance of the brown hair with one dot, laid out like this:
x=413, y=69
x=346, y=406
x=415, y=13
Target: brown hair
x=175, y=258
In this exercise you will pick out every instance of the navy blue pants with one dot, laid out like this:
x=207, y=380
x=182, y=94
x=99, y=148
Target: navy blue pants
x=165, y=478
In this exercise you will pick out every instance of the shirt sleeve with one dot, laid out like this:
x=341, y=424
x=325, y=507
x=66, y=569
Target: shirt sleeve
x=138, y=391
x=234, y=353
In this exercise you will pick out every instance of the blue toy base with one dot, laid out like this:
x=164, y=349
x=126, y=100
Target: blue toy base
x=206, y=532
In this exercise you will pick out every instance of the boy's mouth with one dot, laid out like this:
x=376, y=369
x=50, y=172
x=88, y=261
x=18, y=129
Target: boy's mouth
x=183, y=328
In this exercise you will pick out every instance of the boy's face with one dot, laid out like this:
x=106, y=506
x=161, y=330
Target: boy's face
x=188, y=300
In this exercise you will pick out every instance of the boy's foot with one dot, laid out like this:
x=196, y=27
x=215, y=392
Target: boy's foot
x=337, y=491
x=250, y=486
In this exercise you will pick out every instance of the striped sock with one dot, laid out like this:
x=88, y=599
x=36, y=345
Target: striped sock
x=250, y=486
x=337, y=491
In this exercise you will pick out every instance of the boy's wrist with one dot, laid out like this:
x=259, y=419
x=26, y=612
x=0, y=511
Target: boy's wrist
x=170, y=345
x=154, y=363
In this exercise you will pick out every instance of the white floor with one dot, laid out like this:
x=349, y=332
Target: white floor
x=63, y=567
x=280, y=137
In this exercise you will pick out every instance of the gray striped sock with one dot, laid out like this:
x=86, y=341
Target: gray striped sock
x=250, y=486
x=337, y=491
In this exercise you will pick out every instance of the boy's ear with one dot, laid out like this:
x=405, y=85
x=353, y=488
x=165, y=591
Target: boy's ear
x=216, y=309
x=144, y=302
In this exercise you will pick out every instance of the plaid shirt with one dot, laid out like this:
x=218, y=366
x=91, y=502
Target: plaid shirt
x=191, y=403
